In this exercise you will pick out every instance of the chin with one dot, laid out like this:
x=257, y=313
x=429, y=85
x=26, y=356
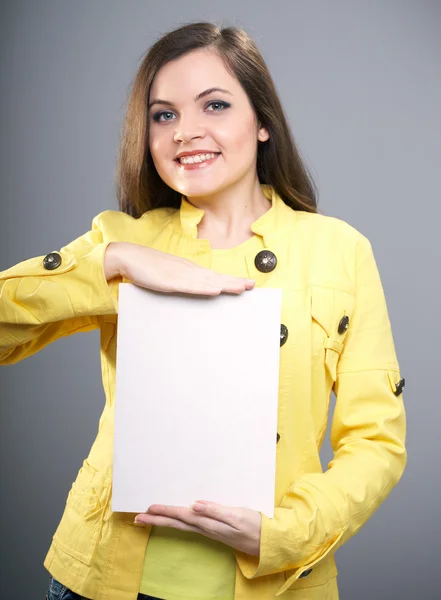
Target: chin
x=197, y=189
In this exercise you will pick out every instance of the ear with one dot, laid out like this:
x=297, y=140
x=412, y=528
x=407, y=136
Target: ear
x=262, y=134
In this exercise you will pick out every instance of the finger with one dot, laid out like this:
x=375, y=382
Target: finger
x=225, y=514
x=182, y=513
x=203, y=521
x=229, y=280
x=195, y=523
x=211, y=283
x=210, y=289
x=198, y=289
x=161, y=521
x=169, y=510
x=215, y=276
x=236, y=286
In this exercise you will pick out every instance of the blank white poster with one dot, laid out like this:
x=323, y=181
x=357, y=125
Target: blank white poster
x=196, y=399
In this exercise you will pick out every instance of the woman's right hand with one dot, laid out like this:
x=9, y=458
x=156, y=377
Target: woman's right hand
x=162, y=272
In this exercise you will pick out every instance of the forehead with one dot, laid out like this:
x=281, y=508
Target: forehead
x=190, y=74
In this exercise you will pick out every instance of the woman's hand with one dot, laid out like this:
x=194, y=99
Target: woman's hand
x=162, y=272
x=236, y=527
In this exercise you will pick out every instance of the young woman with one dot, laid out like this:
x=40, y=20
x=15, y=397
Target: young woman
x=215, y=199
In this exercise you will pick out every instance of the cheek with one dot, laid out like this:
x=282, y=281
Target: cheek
x=154, y=146
x=241, y=138
x=157, y=150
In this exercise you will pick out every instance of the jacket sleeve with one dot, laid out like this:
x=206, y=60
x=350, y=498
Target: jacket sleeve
x=38, y=306
x=321, y=511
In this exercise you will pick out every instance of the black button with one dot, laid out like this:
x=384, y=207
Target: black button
x=399, y=387
x=278, y=438
x=265, y=261
x=283, y=334
x=305, y=573
x=52, y=261
x=343, y=325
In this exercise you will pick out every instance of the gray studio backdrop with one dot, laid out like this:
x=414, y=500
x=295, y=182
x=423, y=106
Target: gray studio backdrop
x=361, y=85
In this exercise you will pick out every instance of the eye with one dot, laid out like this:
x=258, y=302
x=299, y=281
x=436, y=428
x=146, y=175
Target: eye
x=217, y=106
x=163, y=116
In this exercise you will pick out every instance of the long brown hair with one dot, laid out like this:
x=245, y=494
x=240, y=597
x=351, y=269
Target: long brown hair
x=279, y=164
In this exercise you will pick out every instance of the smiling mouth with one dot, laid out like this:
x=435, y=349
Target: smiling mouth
x=195, y=161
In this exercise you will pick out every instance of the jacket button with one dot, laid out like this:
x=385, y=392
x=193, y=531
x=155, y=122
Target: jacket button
x=305, y=573
x=399, y=387
x=283, y=334
x=265, y=261
x=277, y=438
x=343, y=325
x=52, y=261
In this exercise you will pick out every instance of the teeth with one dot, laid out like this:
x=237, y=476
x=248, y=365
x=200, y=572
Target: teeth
x=196, y=158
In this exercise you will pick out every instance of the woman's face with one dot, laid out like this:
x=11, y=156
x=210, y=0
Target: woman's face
x=203, y=130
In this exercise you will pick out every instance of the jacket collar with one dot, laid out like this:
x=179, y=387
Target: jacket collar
x=269, y=226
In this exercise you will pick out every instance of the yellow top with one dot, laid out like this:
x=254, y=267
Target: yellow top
x=182, y=565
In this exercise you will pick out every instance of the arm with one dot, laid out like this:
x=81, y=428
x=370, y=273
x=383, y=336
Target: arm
x=38, y=305
x=321, y=511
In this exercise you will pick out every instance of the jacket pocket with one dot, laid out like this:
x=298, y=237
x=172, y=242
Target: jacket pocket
x=79, y=530
x=331, y=311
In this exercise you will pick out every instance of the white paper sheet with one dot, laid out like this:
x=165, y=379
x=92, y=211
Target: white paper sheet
x=196, y=399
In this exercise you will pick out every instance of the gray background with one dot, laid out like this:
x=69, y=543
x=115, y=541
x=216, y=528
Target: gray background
x=361, y=85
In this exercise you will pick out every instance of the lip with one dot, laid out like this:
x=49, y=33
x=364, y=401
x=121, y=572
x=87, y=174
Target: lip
x=195, y=166
x=194, y=152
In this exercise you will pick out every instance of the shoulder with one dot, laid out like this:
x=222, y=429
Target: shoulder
x=331, y=233
x=335, y=249
x=318, y=224
x=112, y=222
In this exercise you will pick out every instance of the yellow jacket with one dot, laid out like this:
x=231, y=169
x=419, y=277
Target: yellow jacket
x=339, y=337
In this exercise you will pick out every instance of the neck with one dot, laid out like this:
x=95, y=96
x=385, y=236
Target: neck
x=229, y=213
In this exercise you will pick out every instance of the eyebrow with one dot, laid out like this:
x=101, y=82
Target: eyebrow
x=198, y=97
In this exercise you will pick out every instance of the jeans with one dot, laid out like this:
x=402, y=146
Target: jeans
x=57, y=591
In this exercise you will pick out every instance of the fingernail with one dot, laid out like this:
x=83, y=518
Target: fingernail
x=139, y=523
x=198, y=507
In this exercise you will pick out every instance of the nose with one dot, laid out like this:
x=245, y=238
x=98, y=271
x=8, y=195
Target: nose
x=188, y=129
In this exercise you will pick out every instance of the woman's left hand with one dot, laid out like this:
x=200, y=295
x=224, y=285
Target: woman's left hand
x=236, y=527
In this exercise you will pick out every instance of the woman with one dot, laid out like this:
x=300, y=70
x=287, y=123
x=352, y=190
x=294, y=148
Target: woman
x=215, y=199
